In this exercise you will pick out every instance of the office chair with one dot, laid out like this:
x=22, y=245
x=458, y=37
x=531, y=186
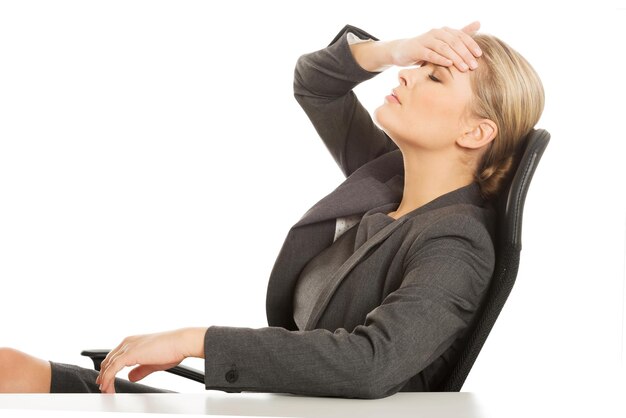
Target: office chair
x=509, y=205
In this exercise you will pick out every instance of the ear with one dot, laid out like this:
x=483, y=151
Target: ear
x=479, y=134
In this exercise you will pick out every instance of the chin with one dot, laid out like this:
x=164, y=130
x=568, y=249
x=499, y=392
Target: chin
x=381, y=117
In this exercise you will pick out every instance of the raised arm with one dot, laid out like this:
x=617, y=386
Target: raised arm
x=324, y=79
x=323, y=83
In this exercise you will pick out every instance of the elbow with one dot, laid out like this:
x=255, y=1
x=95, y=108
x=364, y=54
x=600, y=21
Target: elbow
x=300, y=89
x=375, y=392
x=377, y=386
x=379, y=392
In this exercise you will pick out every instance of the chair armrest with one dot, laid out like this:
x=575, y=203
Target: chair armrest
x=97, y=356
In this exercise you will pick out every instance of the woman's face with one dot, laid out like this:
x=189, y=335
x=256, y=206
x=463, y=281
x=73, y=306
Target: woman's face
x=431, y=108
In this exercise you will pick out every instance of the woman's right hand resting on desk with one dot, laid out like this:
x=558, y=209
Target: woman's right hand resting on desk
x=445, y=46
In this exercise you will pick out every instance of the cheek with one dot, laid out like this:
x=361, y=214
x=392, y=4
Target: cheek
x=431, y=105
x=431, y=121
x=437, y=111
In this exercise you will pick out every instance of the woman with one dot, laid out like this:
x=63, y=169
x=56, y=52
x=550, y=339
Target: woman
x=375, y=287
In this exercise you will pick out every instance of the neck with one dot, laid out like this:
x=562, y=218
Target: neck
x=426, y=177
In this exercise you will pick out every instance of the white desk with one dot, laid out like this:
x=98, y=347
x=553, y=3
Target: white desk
x=431, y=405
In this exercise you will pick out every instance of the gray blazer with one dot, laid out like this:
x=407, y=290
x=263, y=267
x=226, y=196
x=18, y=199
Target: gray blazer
x=438, y=261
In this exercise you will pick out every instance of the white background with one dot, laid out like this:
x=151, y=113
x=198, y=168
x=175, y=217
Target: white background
x=153, y=159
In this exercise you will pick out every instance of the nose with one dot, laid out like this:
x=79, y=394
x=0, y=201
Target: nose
x=406, y=76
x=402, y=76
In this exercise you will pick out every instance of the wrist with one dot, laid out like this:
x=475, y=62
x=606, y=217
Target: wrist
x=193, y=338
x=373, y=56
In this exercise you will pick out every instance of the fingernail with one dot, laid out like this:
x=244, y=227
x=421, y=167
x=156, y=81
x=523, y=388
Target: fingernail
x=478, y=52
x=100, y=388
x=464, y=66
x=473, y=64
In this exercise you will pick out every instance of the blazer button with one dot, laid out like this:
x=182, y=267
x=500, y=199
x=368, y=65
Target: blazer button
x=231, y=376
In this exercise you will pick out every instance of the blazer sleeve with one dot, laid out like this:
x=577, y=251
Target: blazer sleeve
x=446, y=274
x=323, y=83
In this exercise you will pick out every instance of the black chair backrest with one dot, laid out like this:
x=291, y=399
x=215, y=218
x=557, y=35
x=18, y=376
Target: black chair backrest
x=509, y=206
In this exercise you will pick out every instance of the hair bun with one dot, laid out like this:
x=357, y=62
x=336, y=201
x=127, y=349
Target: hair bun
x=490, y=178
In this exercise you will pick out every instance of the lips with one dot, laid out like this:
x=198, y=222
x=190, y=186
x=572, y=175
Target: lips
x=394, y=94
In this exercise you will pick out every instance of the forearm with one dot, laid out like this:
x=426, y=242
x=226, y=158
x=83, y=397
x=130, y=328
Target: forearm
x=323, y=83
x=273, y=359
x=329, y=73
x=373, y=56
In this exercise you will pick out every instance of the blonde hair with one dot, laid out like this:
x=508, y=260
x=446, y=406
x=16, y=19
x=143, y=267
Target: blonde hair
x=508, y=91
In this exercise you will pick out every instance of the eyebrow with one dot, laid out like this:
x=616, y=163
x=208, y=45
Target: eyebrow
x=447, y=68
x=436, y=66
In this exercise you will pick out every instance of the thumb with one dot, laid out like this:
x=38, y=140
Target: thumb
x=472, y=27
x=140, y=372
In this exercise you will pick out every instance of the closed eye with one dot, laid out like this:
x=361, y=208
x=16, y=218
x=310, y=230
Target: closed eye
x=432, y=77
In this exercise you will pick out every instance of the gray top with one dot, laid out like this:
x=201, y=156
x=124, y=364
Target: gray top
x=317, y=273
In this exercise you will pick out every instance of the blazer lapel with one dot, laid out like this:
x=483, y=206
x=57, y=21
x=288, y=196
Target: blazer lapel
x=374, y=184
x=301, y=245
x=345, y=268
x=353, y=197
x=315, y=231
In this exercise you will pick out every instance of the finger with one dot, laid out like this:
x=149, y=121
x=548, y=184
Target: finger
x=112, y=353
x=108, y=377
x=472, y=27
x=444, y=45
x=110, y=356
x=104, y=363
x=111, y=368
x=436, y=57
x=470, y=43
x=452, y=38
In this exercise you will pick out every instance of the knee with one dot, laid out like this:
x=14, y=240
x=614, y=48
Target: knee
x=16, y=367
x=9, y=357
x=10, y=361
